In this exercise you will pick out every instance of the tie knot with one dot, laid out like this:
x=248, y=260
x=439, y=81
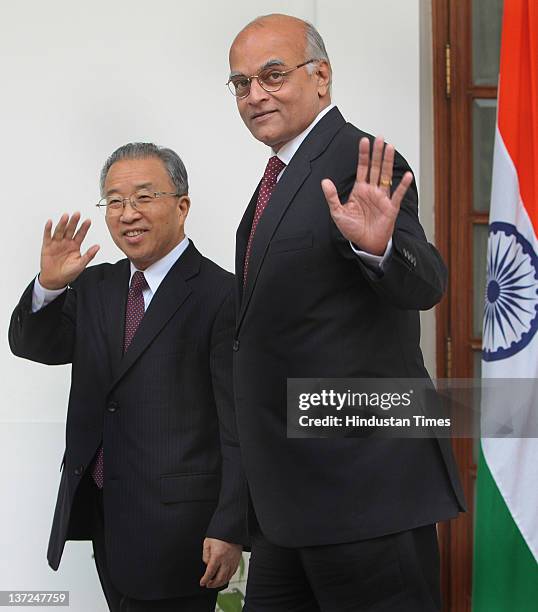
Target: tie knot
x=273, y=169
x=138, y=282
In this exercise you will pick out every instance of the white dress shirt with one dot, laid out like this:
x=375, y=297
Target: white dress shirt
x=285, y=154
x=153, y=274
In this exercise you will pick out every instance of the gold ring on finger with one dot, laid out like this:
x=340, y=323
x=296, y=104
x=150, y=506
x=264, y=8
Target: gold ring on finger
x=384, y=182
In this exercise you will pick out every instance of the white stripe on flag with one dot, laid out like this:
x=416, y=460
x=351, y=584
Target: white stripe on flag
x=514, y=462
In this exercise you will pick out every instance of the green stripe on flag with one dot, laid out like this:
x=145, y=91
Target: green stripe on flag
x=505, y=571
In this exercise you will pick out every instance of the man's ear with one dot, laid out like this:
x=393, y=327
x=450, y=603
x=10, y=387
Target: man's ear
x=324, y=75
x=184, y=204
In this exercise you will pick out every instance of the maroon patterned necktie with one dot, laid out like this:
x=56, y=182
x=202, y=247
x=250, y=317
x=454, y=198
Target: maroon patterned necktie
x=133, y=315
x=135, y=307
x=272, y=170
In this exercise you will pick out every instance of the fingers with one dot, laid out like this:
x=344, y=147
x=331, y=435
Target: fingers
x=221, y=578
x=222, y=560
x=82, y=231
x=331, y=195
x=371, y=194
x=210, y=573
x=67, y=229
x=72, y=226
x=377, y=157
x=222, y=574
x=400, y=191
x=211, y=568
x=385, y=179
x=47, y=232
x=59, y=230
x=381, y=165
x=364, y=160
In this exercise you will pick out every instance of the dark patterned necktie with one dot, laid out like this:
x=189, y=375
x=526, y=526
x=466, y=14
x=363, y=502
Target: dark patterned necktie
x=272, y=170
x=135, y=307
x=133, y=315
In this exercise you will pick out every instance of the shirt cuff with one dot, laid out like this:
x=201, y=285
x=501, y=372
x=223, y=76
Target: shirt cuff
x=41, y=296
x=374, y=261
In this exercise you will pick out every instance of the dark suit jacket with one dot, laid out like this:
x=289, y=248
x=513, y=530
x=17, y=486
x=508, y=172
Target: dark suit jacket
x=311, y=308
x=163, y=412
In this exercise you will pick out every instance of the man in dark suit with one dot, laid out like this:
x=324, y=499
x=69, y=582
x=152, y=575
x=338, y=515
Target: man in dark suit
x=151, y=472
x=332, y=267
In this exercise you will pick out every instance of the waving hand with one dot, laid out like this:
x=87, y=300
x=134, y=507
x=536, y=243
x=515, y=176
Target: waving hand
x=367, y=219
x=61, y=258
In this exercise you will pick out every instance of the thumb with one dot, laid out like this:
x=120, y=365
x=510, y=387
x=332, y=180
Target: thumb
x=331, y=195
x=89, y=255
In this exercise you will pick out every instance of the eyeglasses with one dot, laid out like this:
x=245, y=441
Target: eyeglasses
x=270, y=80
x=114, y=204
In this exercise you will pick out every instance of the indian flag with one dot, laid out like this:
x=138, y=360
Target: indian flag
x=506, y=527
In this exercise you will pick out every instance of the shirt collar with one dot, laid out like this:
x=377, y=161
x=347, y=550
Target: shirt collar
x=287, y=151
x=155, y=273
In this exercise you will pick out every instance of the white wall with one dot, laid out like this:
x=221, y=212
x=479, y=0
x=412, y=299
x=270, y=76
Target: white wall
x=80, y=79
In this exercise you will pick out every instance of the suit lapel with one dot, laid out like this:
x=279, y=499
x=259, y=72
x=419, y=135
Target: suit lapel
x=281, y=198
x=241, y=242
x=113, y=293
x=287, y=187
x=169, y=297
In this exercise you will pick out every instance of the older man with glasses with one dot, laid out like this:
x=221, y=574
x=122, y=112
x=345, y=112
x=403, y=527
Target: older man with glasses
x=332, y=267
x=151, y=471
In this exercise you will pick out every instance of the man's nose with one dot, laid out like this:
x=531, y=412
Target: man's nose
x=129, y=212
x=257, y=92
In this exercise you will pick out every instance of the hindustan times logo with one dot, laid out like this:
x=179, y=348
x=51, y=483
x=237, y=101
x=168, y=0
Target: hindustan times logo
x=334, y=399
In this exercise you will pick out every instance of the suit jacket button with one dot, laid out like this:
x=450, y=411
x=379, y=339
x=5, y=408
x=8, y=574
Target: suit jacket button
x=79, y=470
x=236, y=345
x=112, y=406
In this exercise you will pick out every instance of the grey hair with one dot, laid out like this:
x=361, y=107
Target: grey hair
x=315, y=46
x=143, y=150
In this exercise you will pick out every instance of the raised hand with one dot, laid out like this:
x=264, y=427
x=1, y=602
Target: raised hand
x=367, y=219
x=61, y=259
